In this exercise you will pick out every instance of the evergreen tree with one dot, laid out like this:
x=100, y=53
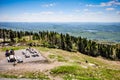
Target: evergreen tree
x=62, y=41
x=36, y=36
x=80, y=45
x=19, y=35
x=118, y=53
x=94, y=49
x=68, y=43
x=12, y=36
x=4, y=35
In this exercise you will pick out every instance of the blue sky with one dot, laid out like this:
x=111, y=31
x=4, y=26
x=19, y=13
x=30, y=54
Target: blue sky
x=60, y=10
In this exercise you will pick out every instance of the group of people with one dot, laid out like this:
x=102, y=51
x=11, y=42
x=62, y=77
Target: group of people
x=10, y=55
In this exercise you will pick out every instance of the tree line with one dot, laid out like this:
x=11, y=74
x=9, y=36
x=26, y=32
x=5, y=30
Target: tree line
x=67, y=42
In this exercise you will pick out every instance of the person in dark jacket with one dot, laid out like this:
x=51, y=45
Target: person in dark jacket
x=12, y=52
x=7, y=54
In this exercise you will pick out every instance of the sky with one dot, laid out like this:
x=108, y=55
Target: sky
x=59, y=10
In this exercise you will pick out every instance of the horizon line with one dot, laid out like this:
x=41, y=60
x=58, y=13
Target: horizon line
x=55, y=22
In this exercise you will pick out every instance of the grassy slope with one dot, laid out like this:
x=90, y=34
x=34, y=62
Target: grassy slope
x=75, y=66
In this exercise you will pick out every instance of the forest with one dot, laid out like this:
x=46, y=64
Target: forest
x=62, y=41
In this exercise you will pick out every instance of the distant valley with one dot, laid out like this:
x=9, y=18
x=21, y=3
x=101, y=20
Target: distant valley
x=108, y=32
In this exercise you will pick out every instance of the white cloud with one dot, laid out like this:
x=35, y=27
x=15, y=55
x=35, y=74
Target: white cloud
x=40, y=13
x=60, y=12
x=47, y=13
x=48, y=5
x=113, y=2
x=110, y=3
x=105, y=4
x=86, y=10
x=118, y=12
x=110, y=9
x=77, y=10
x=99, y=12
x=91, y=5
x=49, y=16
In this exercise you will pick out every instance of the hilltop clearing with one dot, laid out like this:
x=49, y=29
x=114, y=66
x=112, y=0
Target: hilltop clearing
x=61, y=65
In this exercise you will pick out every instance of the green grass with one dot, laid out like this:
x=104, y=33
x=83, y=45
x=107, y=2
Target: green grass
x=35, y=75
x=64, y=69
x=7, y=76
x=73, y=77
x=27, y=75
x=105, y=70
x=44, y=49
x=12, y=47
x=70, y=72
x=61, y=58
x=110, y=74
x=52, y=56
x=57, y=57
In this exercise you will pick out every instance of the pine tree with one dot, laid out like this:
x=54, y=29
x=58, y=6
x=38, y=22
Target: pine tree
x=12, y=36
x=118, y=53
x=4, y=35
x=94, y=49
x=62, y=41
x=68, y=43
x=80, y=45
x=19, y=35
